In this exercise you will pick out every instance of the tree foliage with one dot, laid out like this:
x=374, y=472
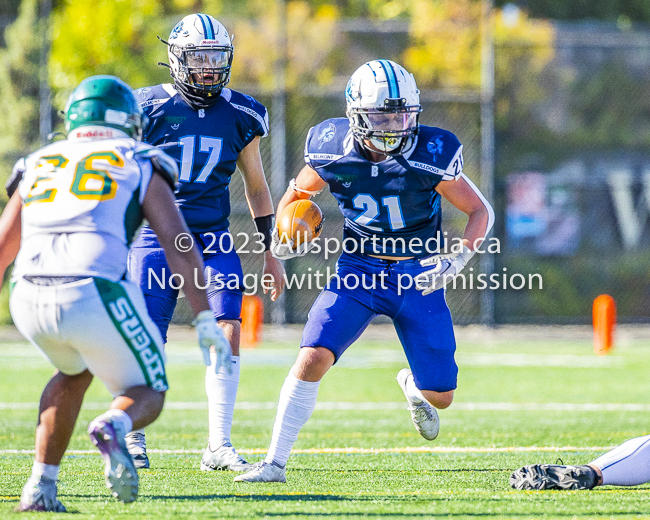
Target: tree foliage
x=310, y=38
x=446, y=43
x=523, y=48
x=106, y=37
x=19, y=87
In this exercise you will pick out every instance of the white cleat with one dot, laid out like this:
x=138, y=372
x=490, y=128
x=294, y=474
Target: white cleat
x=224, y=458
x=121, y=475
x=263, y=472
x=424, y=416
x=137, y=446
x=40, y=495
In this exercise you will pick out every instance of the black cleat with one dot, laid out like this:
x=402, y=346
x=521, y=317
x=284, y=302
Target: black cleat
x=554, y=476
x=137, y=446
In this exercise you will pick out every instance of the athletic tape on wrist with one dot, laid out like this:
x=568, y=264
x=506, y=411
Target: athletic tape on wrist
x=292, y=185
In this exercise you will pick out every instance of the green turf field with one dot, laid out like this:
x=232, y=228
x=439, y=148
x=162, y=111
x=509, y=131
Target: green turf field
x=522, y=397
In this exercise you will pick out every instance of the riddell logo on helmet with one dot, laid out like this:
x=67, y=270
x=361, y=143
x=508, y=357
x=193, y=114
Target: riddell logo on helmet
x=94, y=133
x=209, y=42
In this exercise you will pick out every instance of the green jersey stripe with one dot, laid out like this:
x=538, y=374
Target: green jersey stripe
x=130, y=325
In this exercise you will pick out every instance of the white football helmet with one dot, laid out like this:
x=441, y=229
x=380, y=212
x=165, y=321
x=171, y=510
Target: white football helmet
x=383, y=106
x=200, y=56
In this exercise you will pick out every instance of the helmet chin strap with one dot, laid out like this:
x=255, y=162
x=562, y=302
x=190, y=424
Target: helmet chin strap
x=195, y=101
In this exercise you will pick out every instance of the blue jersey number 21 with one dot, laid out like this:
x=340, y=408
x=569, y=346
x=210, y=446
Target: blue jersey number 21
x=371, y=211
x=211, y=145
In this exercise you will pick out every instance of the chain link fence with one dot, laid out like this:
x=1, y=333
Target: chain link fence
x=573, y=181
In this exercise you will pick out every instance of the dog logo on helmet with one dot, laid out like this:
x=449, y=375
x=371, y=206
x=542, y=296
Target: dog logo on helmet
x=176, y=30
x=348, y=92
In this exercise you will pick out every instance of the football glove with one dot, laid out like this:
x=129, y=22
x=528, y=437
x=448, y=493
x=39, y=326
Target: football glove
x=211, y=335
x=284, y=251
x=445, y=268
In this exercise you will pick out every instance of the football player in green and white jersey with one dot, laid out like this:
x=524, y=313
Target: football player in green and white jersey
x=73, y=216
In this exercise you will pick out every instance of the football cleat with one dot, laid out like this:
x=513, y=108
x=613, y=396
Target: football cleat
x=264, y=472
x=554, y=476
x=424, y=416
x=224, y=458
x=121, y=475
x=137, y=446
x=40, y=495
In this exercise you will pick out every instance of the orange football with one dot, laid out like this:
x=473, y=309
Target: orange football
x=301, y=221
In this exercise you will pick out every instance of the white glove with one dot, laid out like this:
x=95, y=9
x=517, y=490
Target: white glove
x=446, y=267
x=284, y=251
x=210, y=334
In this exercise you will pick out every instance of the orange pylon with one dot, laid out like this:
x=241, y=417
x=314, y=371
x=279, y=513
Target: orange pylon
x=604, y=314
x=252, y=318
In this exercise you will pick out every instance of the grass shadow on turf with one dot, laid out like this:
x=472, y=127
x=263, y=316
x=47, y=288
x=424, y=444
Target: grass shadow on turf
x=258, y=498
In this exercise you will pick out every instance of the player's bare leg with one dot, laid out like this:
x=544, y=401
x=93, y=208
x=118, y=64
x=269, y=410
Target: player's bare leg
x=297, y=403
x=440, y=400
x=58, y=411
x=221, y=389
x=141, y=403
x=312, y=363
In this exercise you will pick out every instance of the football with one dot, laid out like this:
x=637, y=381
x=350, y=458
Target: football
x=301, y=221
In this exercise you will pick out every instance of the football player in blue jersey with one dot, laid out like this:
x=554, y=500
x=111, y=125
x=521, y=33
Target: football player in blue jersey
x=210, y=130
x=388, y=174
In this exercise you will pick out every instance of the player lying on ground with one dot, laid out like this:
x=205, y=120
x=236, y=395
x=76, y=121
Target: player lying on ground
x=626, y=465
x=79, y=204
x=209, y=130
x=388, y=174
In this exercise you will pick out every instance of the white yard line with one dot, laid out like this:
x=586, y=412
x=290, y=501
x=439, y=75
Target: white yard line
x=374, y=406
x=362, y=451
x=23, y=355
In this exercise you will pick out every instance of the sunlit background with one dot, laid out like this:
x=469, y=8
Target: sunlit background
x=550, y=98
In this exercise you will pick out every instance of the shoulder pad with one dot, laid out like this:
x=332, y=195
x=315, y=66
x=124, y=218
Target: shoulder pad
x=326, y=141
x=16, y=176
x=162, y=164
x=439, y=152
x=152, y=96
x=250, y=106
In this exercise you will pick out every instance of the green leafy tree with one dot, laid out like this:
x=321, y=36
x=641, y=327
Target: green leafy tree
x=106, y=37
x=523, y=49
x=310, y=40
x=19, y=88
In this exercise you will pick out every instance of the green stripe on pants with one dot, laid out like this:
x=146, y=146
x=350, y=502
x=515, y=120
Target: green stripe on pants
x=131, y=327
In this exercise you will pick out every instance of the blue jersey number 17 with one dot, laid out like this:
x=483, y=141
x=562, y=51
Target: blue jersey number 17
x=211, y=145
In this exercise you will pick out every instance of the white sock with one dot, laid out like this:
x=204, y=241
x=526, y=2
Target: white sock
x=413, y=390
x=627, y=464
x=42, y=470
x=221, y=389
x=297, y=402
x=120, y=418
